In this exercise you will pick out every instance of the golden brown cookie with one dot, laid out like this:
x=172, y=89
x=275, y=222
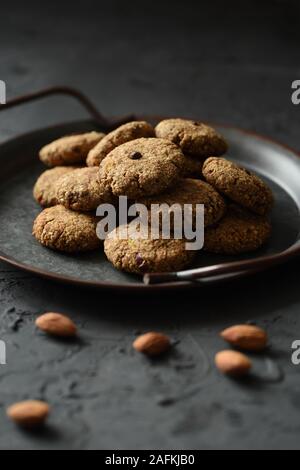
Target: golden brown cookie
x=193, y=137
x=142, y=167
x=70, y=150
x=64, y=230
x=192, y=191
x=145, y=255
x=238, y=184
x=125, y=133
x=82, y=190
x=44, y=191
x=240, y=231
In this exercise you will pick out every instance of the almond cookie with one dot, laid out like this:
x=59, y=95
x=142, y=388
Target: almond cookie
x=44, y=191
x=192, y=191
x=127, y=132
x=81, y=190
x=142, y=167
x=140, y=255
x=238, y=184
x=64, y=230
x=69, y=150
x=239, y=231
x=194, y=138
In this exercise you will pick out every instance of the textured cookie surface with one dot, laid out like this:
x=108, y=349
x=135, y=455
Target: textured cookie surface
x=142, y=167
x=127, y=132
x=146, y=255
x=194, y=138
x=65, y=230
x=70, y=150
x=238, y=184
x=82, y=190
x=44, y=190
x=240, y=231
x=192, y=191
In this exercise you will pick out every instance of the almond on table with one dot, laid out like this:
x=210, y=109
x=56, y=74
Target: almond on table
x=29, y=413
x=56, y=324
x=233, y=363
x=247, y=337
x=152, y=344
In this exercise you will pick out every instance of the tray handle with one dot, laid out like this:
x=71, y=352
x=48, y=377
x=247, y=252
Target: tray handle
x=206, y=272
x=104, y=123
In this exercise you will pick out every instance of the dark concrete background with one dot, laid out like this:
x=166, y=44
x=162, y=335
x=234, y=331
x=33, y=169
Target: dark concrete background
x=230, y=62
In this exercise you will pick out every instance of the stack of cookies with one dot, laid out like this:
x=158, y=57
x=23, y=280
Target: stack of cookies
x=178, y=162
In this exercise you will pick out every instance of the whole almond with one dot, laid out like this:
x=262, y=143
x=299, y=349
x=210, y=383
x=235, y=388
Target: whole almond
x=233, y=363
x=247, y=337
x=152, y=344
x=29, y=413
x=56, y=324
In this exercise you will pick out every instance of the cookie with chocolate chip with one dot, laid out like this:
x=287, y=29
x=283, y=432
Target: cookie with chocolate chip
x=240, y=231
x=141, y=254
x=64, y=230
x=142, y=167
x=82, y=190
x=70, y=150
x=125, y=133
x=238, y=184
x=193, y=137
x=44, y=191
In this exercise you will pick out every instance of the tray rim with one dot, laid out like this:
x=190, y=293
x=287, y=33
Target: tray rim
x=263, y=262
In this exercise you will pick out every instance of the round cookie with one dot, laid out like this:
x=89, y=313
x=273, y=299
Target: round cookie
x=64, y=230
x=194, y=138
x=69, y=150
x=192, y=191
x=239, y=231
x=44, y=191
x=125, y=133
x=81, y=190
x=238, y=184
x=138, y=255
x=142, y=167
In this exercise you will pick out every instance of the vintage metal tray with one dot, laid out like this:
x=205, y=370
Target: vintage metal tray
x=278, y=165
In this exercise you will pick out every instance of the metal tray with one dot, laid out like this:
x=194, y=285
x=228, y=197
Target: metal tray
x=20, y=167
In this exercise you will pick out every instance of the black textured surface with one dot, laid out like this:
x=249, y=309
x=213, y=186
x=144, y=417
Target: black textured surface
x=226, y=62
